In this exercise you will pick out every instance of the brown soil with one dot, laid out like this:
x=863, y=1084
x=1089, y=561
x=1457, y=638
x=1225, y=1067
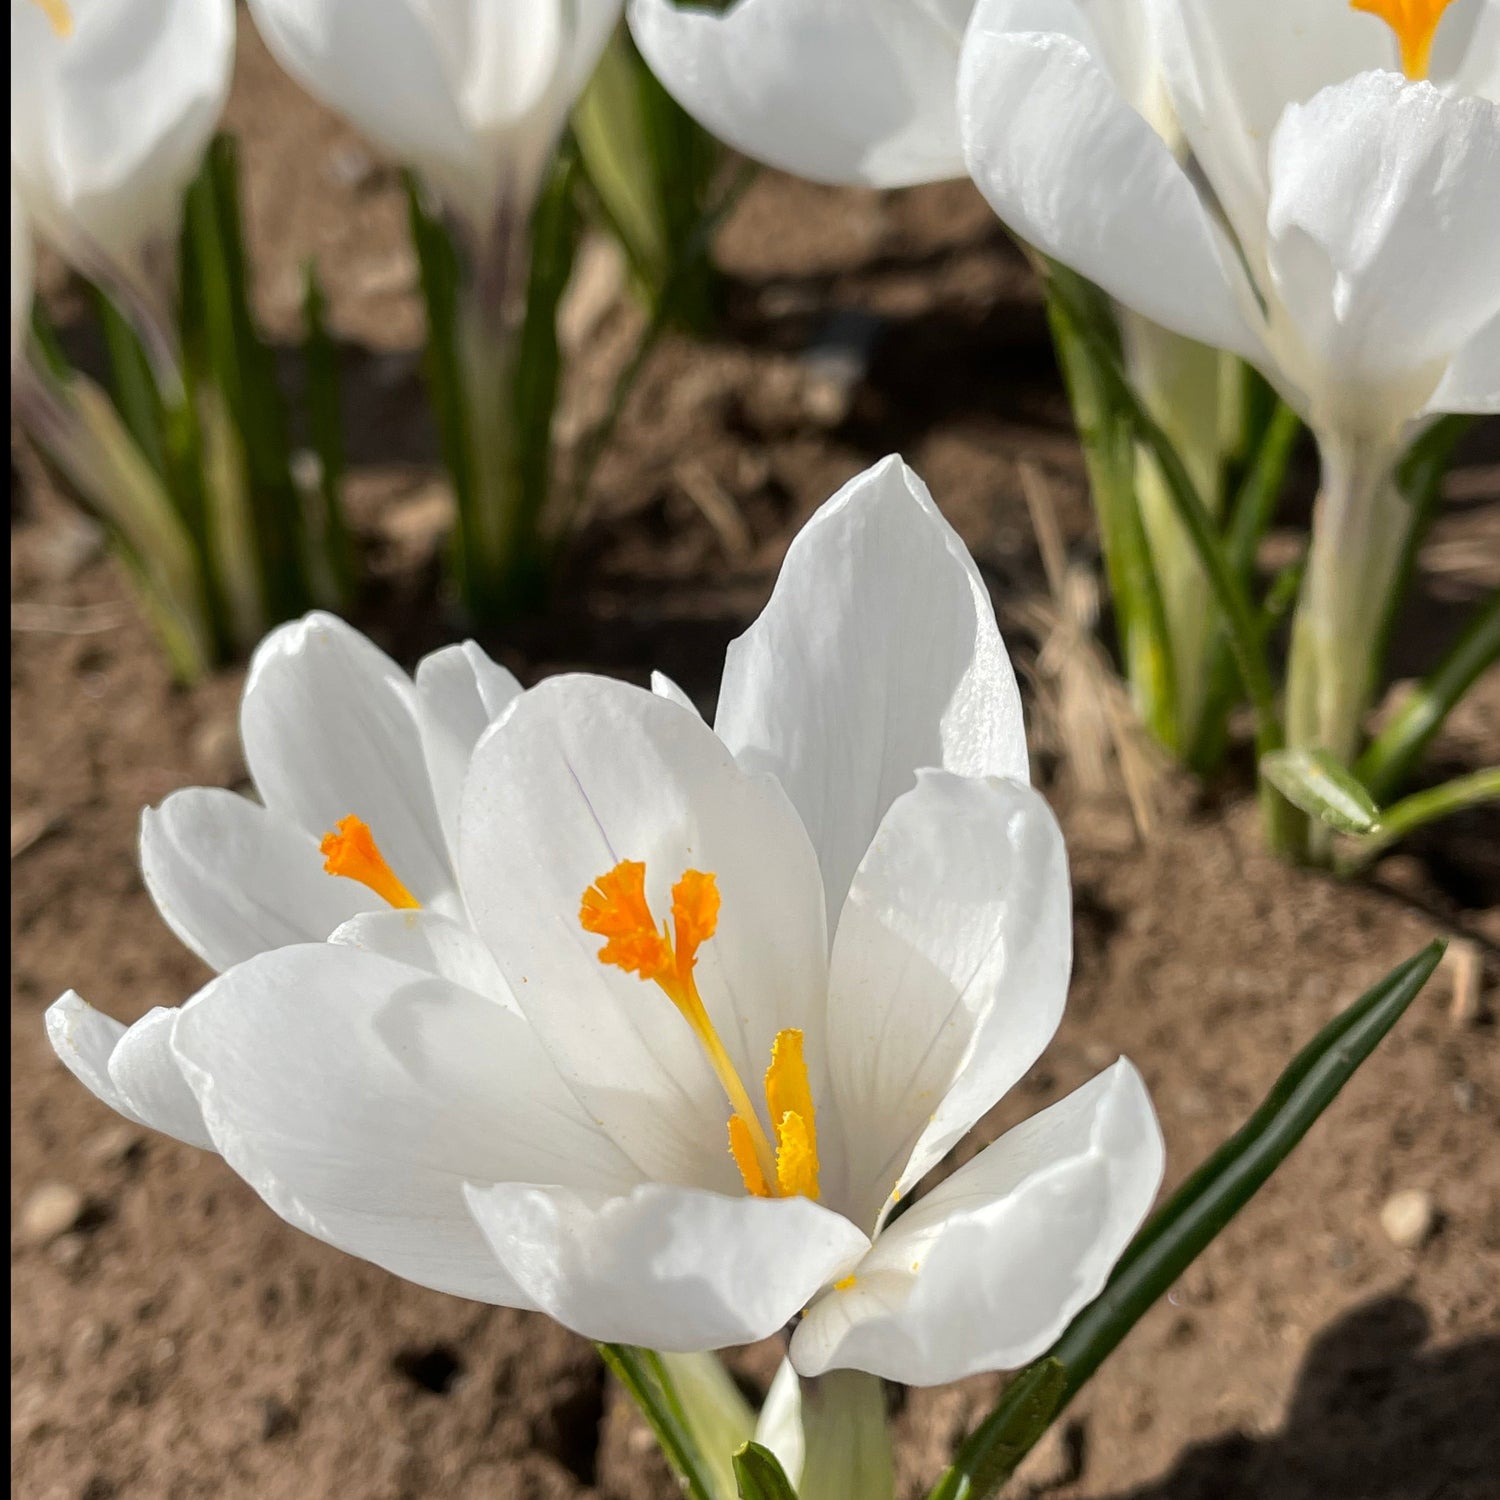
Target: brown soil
x=180, y=1341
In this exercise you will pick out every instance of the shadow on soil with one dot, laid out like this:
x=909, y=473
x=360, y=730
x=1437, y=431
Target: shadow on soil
x=1375, y=1416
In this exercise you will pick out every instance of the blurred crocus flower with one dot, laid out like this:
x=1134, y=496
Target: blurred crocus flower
x=470, y=93
x=1338, y=223
x=837, y=91
x=112, y=106
x=1333, y=220
x=22, y=268
x=742, y=987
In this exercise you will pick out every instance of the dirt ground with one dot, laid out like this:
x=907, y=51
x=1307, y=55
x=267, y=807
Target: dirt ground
x=177, y=1340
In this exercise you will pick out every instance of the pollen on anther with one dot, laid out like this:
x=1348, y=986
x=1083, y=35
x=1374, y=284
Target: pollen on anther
x=350, y=850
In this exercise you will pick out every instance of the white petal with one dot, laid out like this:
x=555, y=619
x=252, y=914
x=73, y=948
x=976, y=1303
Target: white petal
x=670, y=1268
x=779, y=1425
x=948, y=979
x=109, y=124
x=1232, y=66
x=987, y=1270
x=664, y=687
x=1383, y=223
x=379, y=64
x=356, y=1096
x=584, y=773
x=1466, y=50
x=145, y=1071
x=330, y=728
x=877, y=654
x=432, y=942
x=833, y=91
x=1072, y=169
x=1472, y=380
x=232, y=879
x=130, y=1068
x=460, y=693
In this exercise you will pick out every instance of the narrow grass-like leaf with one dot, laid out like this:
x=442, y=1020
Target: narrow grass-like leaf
x=329, y=546
x=1427, y=806
x=1190, y=1219
x=640, y=1374
x=1084, y=337
x=1316, y=782
x=759, y=1475
x=1389, y=758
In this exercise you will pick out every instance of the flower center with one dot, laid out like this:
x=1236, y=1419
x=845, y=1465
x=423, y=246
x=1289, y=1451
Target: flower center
x=1415, y=23
x=615, y=908
x=351, y=851
x=58, y=14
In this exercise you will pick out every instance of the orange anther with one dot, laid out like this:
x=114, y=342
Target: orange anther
x=1415, y=23
x=351, y=851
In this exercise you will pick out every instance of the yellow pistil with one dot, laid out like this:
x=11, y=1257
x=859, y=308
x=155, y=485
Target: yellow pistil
x=351, y=851
x=615, y=908
x=58, y=15
x=1415, y=23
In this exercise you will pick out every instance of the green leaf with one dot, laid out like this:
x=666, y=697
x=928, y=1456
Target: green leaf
x=1389, y=758
x=1427, y=806
x=759, y=1475
x=641, y=1373
x=330, y=551
x=650, y=165
x=1315, y=781
x=1025, y=1412
x=1086, y=339
x=1190, y=1219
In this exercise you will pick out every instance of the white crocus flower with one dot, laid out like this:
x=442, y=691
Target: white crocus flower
x=472, y=94
x=22, y=274
x=746, y=984
x=837, y=91
x=358, y=769
x=1335, y=224
x=112, y=105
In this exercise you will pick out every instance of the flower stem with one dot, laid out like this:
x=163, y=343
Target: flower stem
x=1359, y=528
x=848, y=1438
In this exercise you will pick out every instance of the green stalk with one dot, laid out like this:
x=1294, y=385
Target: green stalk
x=715, y=1413
x=1229, y=589
x=131, y=381
x=641, y=1373
x=1250, y=517
x=330, y=560
x=1389, y=758
x=1176, y=1234
x=1075, y=311
x=848, y=1438
x=1179, y=383
x=1411, y=813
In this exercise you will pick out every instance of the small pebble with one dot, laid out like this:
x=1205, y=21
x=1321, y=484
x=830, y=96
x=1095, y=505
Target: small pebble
x=1408, y=1218
x=53, y=1209
x=115, y=1145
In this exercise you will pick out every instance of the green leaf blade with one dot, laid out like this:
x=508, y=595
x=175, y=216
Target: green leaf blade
x=1175, y=1235
x=1316, y=782
x=759, y=1475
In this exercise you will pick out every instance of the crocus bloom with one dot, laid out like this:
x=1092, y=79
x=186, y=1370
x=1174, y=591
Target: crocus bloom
x=724, y=996
x=21, y=273
x=328, y=723
x=112, y=105
x=837, y=91
x=472, y=94
x=1336, y=227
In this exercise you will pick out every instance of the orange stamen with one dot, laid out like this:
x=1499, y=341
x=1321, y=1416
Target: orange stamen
x=1415, y=23
x=351, y=851
x=59, y=17
x=742, y=1149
